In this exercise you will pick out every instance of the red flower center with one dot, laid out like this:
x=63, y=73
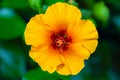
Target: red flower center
x=60, y=40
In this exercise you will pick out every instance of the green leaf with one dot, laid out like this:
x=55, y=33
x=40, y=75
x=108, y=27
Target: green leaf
x=12, y=60
x=73, y=2
x=36, y=5
x=116, y=22
x=49, y=2
x=16, y=4
x=101, y=12
x=44, y=8
x=86, y=13
x=11, y=25
x=35, y=74
x=88, y=4
x=100, y=57
x=38, y=74
x=115, y=4
x=60, y=77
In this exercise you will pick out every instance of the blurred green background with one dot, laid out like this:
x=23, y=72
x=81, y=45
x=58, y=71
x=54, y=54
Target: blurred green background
x=15, y=64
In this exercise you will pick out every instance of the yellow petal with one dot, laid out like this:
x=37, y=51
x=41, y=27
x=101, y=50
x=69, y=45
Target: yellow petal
x=85, y=33
x=79, y=50
x=90, y=45
x=73, y=64
x=61, y=14
x=35, y=33
x=63, y=69
x=47, y=58
x=37, y=53
x=83, y=30
x=88, y=30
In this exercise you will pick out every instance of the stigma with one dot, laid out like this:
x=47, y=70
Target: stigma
x=60, y=40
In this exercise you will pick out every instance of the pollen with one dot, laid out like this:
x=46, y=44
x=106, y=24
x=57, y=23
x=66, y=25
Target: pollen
x=60, y=40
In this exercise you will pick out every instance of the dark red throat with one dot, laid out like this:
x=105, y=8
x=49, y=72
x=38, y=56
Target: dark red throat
x=60, y=40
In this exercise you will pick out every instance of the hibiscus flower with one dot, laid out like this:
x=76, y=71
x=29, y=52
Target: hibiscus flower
x=60, y=40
